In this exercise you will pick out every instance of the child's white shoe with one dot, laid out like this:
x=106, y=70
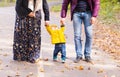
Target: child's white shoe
x=63, y=61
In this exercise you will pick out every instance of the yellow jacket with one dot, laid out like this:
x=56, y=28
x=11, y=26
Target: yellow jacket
x=57, y=36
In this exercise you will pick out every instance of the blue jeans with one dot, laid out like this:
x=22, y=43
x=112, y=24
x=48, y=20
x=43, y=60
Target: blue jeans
x=78, y=18
x=61, y=47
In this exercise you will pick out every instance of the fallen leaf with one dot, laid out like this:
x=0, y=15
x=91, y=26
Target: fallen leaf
x=62, y=71
x=66, y=66
x=95, y=53
x=5, y=54
x=89, y=68
x=1, y=68
x=81, y=68
x=6, y=66
x=37, y=60
x=118, y=66
x=100, y=71
x=30, y=73
x=45, y=59
x=0, y=61
x=41, y=70
x=17, y=74
x=92, y=62
x=0, y=49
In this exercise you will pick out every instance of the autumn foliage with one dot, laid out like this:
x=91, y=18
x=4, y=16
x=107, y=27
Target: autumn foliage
x=107, y=39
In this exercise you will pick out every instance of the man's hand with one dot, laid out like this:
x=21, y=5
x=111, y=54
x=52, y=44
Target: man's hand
x=46, y=23
x=31, y=14
x=93, y=20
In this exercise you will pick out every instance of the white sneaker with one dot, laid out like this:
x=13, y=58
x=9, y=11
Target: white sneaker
x=63, y=61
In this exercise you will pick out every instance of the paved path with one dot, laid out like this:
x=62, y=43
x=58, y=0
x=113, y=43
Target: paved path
x=102, y=65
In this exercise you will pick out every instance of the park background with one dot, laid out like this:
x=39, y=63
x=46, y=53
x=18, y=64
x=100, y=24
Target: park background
x=106, y=41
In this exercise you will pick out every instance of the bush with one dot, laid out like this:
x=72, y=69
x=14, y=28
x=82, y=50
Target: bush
x=6, y=2
x=108, y=9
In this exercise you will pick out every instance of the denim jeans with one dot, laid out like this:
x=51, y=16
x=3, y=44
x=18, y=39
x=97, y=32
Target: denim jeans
x=78, y=19
x=60, y=48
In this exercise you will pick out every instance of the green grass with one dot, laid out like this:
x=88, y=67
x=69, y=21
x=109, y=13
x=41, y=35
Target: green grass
x=108, y=12
x=52, y=0
x=3, y=4
x=56, y=8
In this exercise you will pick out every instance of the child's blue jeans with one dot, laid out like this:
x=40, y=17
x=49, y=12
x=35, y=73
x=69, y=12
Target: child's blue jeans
x=60, y=47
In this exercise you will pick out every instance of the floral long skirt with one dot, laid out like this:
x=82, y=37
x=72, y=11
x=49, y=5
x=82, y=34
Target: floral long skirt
x=27, y=39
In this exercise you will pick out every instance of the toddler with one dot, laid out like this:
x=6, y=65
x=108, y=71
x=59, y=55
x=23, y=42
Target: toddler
x=58, y=38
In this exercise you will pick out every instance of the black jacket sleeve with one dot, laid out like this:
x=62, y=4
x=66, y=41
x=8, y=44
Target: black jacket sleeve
x=46, y=10
x=22, y=8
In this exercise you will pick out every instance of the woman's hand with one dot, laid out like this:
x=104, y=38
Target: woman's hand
x=31, y=14
x=46, y=23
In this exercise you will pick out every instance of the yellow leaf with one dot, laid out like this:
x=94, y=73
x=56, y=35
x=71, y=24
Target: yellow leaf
x=100, y=71
x=41, y=70
x=81, y=68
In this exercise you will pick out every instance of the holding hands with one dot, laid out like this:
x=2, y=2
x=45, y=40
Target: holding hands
x=31, y=14
x=46, y=23
x=62, y=21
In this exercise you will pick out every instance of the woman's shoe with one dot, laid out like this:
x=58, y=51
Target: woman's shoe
x=34, y=61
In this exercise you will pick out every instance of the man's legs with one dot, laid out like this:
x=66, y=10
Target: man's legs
x=88, y=33
x=77, y=25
